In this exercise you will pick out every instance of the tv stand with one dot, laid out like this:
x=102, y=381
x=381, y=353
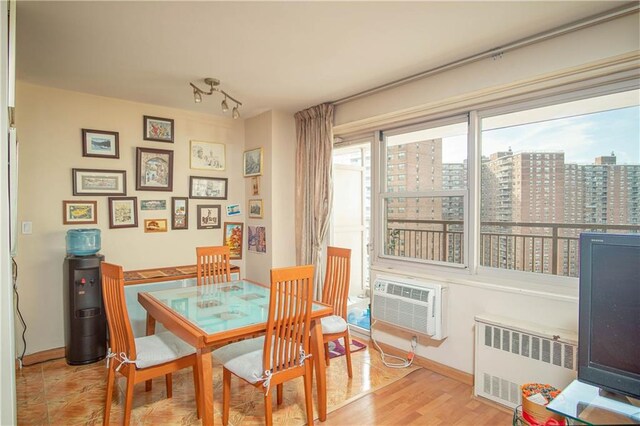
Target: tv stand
x=593, y=406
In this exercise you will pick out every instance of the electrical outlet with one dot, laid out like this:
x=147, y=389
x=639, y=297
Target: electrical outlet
x=27, y=228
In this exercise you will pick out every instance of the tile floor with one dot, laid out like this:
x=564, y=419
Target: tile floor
x=54, y=393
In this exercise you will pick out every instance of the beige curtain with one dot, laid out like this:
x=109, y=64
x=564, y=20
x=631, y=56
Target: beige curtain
x=314, y=131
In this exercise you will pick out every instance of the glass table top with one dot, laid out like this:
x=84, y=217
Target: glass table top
x=220, y=307
x=589, y=404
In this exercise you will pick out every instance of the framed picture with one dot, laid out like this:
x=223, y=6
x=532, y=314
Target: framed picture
x=255, y=209
x=79, y=212
x=255, y=185
x=158, y=129
x=153, y=204
x=99, y=182
x=155, y=225
x=257, y=239
x=233, y=209
x=253, y=162
x=123, y=212
x=100, y=143
x=179, y=213
x=208, y=156
x=208, y=187
x=233, y=238
x=209, y=217
x=154, y=169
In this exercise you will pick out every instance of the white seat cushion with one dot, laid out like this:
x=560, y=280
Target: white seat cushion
x=243, y=358
x=160, y=348
x=333, y=324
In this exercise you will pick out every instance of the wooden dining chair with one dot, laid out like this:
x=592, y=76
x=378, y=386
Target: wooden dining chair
x=268, y=361
x=213, y=265
x=336, y=293
x=142, y=358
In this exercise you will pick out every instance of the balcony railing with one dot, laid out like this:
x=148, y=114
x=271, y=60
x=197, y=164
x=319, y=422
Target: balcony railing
x=548, y=248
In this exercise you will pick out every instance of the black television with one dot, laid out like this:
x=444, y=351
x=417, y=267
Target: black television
x=609, y=312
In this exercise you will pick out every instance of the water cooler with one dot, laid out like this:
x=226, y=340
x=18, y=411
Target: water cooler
x=85, y=321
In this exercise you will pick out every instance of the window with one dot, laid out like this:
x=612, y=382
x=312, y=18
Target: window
x=594, y=138
x=428, y=225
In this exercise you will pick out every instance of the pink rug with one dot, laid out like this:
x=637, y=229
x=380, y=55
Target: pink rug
x=336, y=349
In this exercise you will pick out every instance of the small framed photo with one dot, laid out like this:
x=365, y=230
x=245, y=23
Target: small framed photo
x=257, y=239
x=255, y=209
x=100, y=143
x=99, y=182
x=158, y=129
x=233, y=238
x=208, y=156
x=208, y=187
x=233, y=209
x=209, y=217
x=154, y=169
x=253, y=162
x=255, y=185
x=153, y=204
x=79, y=212
x=123, y=212
x=179, y=213
x=155, y=225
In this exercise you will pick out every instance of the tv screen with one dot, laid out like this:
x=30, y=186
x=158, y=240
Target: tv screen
x=609, y=322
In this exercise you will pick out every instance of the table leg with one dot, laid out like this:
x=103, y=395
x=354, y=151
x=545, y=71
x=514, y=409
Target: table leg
x=205, y=382
x=319, y=367
x=151, y=329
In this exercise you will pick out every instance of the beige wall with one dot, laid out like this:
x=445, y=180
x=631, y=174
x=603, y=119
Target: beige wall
x=50, y=122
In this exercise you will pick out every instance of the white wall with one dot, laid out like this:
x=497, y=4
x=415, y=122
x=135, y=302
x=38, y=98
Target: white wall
x=50, y=123
x=593, y=52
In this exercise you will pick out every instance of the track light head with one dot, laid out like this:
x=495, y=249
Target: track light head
x=224, y=105
x=235, y=113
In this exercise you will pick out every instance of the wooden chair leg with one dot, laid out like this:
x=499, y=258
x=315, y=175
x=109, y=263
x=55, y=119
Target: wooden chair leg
x=169, y=381
x=226, y=396
x=308, y=392
x=128, y=400
x=280, y=392
x=326, y=353
x=196, y=387
x=111, y=377
x=347, y=352
x=268, y=408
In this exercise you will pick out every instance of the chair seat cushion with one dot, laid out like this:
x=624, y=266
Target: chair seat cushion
x=333, y=324
x=243, y=358
x=160, y=348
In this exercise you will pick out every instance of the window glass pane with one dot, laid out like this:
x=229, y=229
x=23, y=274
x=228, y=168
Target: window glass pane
x=425, y=228
x=427, y=160
x=550, y=173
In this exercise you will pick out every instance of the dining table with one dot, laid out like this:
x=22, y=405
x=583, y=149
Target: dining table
x=208, y=316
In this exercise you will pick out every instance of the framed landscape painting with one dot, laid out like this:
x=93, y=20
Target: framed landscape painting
x=158, y=129
x=154, y=169
x=253, y=162
x=233, y=236
x=99, y=182
x=100, y=143
x=155, y=225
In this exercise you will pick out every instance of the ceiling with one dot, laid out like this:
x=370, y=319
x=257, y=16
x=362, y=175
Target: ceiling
x=269, y=55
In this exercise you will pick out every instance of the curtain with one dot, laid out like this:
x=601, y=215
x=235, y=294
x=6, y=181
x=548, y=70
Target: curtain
x=314, y=133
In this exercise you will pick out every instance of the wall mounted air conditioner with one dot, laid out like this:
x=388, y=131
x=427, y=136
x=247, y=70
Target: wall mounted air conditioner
x=411, y=304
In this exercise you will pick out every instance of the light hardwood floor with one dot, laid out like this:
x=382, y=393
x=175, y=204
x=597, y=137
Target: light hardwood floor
x=54, y=393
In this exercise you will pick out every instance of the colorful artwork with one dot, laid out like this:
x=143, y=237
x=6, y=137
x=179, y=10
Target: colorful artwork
x=158, y=129
x=257, y=239
x=233, y=238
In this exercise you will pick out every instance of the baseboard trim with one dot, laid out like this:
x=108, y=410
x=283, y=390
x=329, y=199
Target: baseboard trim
x=445, y=370
x=42, y=356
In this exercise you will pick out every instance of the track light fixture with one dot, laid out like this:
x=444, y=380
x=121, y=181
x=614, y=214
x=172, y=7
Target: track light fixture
x=213, y=84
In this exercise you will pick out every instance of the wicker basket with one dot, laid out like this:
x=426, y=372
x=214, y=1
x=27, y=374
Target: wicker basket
x=539, y=412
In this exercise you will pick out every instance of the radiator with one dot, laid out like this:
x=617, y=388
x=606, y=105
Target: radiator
x=411, y=304
x=510, y=353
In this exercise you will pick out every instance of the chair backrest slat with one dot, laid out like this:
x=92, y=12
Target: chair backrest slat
x=336, y=282
x=289, y=321
x=121, y=338
x=213, y=265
